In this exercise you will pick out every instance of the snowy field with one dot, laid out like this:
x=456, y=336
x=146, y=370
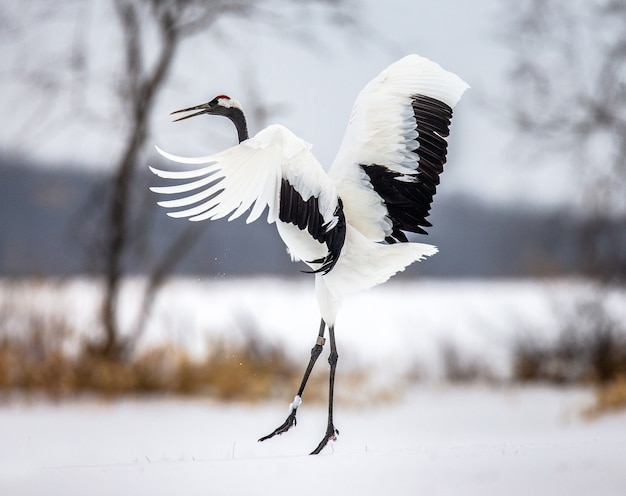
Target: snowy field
x=433, y=439
x=456, y=441
x=404, y=323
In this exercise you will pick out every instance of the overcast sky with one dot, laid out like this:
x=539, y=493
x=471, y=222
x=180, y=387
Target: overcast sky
x=309, y=88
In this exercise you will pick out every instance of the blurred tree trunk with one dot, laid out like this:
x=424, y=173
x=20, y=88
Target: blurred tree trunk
x=569, y=99
x=139, y=90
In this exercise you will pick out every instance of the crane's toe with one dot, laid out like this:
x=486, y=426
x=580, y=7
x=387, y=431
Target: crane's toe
x=288, y=424
x=331, y=435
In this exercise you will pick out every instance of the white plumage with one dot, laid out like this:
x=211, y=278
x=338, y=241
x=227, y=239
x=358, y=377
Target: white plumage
x=348, y=225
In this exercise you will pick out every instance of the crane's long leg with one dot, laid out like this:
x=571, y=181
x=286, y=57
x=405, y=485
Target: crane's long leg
x=315, y=353
x=331, y=432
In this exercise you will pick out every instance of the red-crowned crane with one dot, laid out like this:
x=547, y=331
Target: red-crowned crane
x=348, y=225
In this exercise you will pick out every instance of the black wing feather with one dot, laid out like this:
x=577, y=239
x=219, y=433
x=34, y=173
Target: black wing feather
x=306, y=215
x=408, y=198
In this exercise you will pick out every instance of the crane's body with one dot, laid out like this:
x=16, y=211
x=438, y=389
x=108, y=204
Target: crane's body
x=349, y=226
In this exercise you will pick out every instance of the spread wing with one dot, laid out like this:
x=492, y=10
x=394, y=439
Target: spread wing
x=394, y=148
x=274, y=169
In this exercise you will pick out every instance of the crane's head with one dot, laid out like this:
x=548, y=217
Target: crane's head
x=220, y=105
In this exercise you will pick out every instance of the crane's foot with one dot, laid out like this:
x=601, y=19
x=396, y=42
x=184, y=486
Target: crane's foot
x=331, y=435
x=288, y=424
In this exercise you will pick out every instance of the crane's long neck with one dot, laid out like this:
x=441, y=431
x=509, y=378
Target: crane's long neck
x=238, y=118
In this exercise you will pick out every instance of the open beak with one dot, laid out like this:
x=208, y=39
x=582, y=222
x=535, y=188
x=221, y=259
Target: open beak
x=204, y=109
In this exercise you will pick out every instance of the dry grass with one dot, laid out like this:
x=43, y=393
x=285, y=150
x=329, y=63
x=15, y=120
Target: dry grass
x=609, y=398
x=460, y=368
x=590, y=349
x=38, y=364
x=41, y=354
x=227, y=373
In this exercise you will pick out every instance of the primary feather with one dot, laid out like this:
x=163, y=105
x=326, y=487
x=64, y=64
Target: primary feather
x=398, y=123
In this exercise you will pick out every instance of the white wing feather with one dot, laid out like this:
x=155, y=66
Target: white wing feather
x=248, y=176
x=382, y=131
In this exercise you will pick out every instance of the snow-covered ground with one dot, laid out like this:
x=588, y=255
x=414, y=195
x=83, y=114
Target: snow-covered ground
x=432, y=439
x=438, y=440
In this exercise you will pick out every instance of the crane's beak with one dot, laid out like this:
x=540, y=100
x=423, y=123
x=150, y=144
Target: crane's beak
x=204, y=109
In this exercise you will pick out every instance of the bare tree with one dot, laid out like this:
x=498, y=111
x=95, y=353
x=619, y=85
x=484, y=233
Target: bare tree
x=569, y=99
x=149, y=38
x=173, y=20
